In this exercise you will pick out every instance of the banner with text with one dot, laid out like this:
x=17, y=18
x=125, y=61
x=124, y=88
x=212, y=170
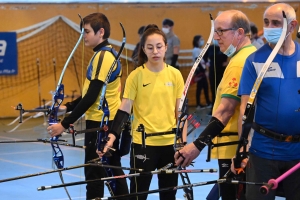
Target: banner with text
x=8, y=53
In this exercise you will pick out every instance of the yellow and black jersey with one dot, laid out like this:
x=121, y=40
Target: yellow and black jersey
x=98, y=69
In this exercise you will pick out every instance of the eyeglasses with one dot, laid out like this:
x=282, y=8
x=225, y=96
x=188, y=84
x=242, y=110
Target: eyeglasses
x=220, y=31
x=150, y=49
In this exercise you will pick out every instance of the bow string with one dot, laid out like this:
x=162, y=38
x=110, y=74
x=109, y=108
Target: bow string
x=103, y=105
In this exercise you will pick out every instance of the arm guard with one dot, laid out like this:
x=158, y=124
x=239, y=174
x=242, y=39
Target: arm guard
x=119, y=121
x=213, y=128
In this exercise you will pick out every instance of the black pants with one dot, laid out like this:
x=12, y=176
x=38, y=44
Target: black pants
x=202, y=84
x=262, y=170
x=227, y=191
x=96, y=189
x=149, y=159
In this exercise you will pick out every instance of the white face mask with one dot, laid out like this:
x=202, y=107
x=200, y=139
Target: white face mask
x=165, y=30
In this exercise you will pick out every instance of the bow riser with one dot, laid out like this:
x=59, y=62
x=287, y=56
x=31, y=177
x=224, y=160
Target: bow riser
x=101, y=143
x=57, y=99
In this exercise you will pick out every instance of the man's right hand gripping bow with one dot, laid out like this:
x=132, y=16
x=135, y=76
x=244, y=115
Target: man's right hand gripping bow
x=239, y=169
x=188, y=153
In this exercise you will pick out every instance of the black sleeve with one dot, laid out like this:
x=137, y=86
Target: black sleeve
x=86, y=102
x=174, y=60
x=71, y=105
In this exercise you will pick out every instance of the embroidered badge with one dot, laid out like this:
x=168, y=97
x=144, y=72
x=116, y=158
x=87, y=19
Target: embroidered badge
x=233, y=83
x=168, y=84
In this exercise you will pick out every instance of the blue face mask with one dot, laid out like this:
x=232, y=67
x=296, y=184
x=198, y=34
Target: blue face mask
x=230, y=50
x=201, y=43
x=215, y=42
x=272, y=35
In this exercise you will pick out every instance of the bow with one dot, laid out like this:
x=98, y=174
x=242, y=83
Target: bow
x=103, y=105
x=183, y=115
x=249, y=111
x=58, y=98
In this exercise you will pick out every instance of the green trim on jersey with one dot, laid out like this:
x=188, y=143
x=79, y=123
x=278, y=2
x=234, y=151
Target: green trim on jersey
x=231, y=96
x=228, y=88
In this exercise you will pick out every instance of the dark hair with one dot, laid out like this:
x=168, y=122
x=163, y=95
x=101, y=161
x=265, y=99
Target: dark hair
x=168, y=22
x=149, y=30
x=97, y=21
x=196, y=40
x=141, y=30
x=253, y=28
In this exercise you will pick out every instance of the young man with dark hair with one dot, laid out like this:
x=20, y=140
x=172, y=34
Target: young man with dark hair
x=96, y=32
x=173, y=43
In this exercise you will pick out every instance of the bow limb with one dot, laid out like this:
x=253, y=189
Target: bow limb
x=247, y=119
x=103, y=91
x=266, y=66
x=182, y=114
x=197, y=62
x=63, y=182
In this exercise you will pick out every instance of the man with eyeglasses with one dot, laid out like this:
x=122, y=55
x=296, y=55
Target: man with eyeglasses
x=232, y=31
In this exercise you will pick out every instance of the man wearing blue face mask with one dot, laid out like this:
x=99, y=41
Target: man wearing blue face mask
x=173, y=43
x=232, y=31
x=275, y=146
